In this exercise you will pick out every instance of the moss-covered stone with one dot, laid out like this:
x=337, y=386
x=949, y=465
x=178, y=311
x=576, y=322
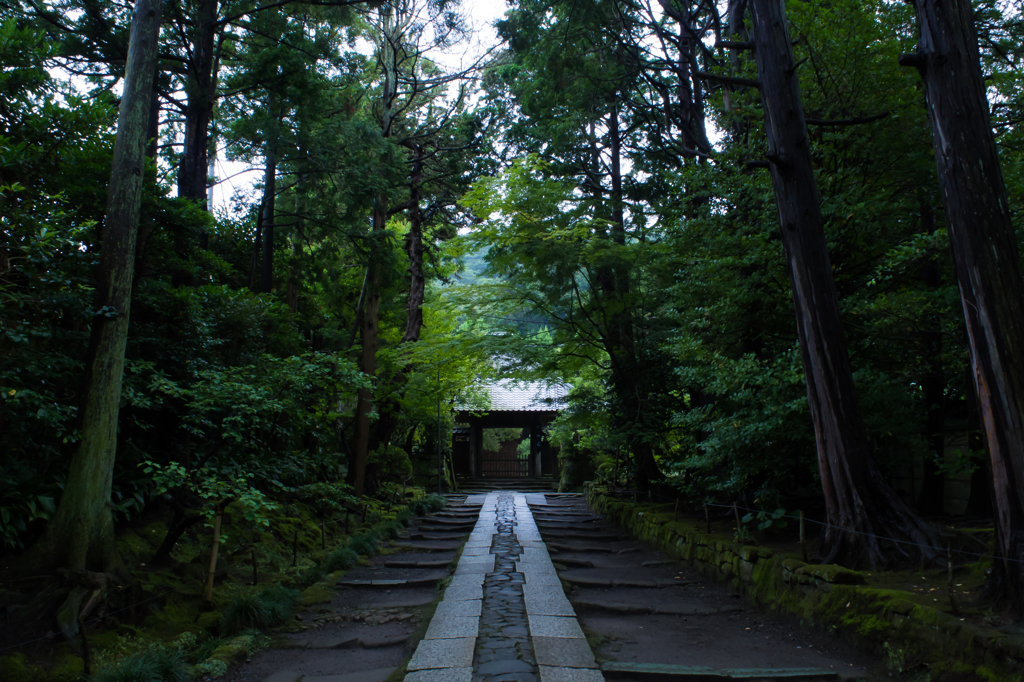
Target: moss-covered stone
x=320, y=593
x=234, y=651
x=833, y=574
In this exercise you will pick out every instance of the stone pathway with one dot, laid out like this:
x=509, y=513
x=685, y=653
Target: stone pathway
x=655, y=618
x=361, y=632
x=504, y=617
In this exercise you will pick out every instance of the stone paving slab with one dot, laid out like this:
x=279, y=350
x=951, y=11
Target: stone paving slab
x=456, y=609
x=464, y=592
x=563, y=652
x=472, y=579
x=555, y=626
x=557, y=674
x=476, y=551
x=475, y=499
x=547, y=601
x=443, y=653
x=453, y=627
x=376, y=675
x=443, y=675
x=471, y=568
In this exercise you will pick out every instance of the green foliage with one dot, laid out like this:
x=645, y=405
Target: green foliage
x=365, y=544
x=259, y=609
x=157, y=664
x=327, y=498
x=340, y=559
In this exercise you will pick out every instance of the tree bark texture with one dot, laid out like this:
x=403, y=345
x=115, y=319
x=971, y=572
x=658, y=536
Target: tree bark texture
x=414, y=248
x=987, y=262
x=199, y=108
x=81, y=534
x=860, y=505
x=368, y=357
x=269, y=196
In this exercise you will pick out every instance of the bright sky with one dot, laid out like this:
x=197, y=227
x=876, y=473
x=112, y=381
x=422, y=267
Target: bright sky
x=480, y=15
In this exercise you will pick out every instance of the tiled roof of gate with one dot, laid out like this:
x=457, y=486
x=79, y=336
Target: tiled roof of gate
x=517, y=396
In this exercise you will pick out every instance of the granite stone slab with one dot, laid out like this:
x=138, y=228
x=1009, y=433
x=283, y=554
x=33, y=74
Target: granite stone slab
x=563, y=652
x=453, y=627
x=555, y=626
x=443, y=675
x=558, y=674
x=465, y=609
x=470, y=579
x=471, y=568
x=443, y=653
x=476, y=551
x=550, y=602
x=464, y=592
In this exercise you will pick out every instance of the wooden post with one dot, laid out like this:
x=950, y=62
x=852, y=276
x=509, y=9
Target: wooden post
x=736, y=512
x=803, y=538
x=255, y=574
x=323, y=543
x=86, y=652
x=675, y=514
x=213, y=555
x=707, y=518
x=365, y=506
x=347, y=514
x=295, y=548
x=949, y=579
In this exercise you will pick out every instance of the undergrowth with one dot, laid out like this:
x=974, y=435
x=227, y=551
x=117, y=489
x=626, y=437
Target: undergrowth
x=259, y=609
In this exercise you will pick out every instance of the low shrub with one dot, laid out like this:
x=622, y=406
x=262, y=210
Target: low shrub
x=364, y=543
x=342, y=558
x=259, y=609
x=157, y=664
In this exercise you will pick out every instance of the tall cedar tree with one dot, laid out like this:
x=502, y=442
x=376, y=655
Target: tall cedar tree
x=987, y=261
x=859, y=503
x=81, y=533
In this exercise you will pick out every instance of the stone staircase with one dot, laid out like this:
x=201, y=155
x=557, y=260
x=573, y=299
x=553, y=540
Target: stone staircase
x=541, y=484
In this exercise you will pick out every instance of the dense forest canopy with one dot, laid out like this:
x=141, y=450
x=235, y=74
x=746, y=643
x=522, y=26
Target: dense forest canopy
x=742, y=232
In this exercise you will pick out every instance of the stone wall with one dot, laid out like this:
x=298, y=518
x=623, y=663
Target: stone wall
x=914, y=639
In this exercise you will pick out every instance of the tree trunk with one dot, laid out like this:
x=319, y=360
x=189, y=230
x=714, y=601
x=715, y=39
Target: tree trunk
x=199, y=109
x=371, y=300
x=81, y=534
x=269, y=198
x=859, y=503
x=368, y=358
x=987, y=262
x=414, y=247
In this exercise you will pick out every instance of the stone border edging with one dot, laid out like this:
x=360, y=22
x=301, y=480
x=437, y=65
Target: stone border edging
x=829, y=595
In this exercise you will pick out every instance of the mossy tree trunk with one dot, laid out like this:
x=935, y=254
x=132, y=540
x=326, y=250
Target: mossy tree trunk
x=987, y=261
x=81, y=534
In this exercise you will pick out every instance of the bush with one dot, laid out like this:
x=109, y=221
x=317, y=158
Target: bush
x=153, y=665
x=392, y=529
x=341, y=559
x=310, y=576
x=260, y=609
x=364, y=543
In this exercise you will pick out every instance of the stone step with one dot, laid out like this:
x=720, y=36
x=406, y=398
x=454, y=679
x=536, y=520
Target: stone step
x=668, y=671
